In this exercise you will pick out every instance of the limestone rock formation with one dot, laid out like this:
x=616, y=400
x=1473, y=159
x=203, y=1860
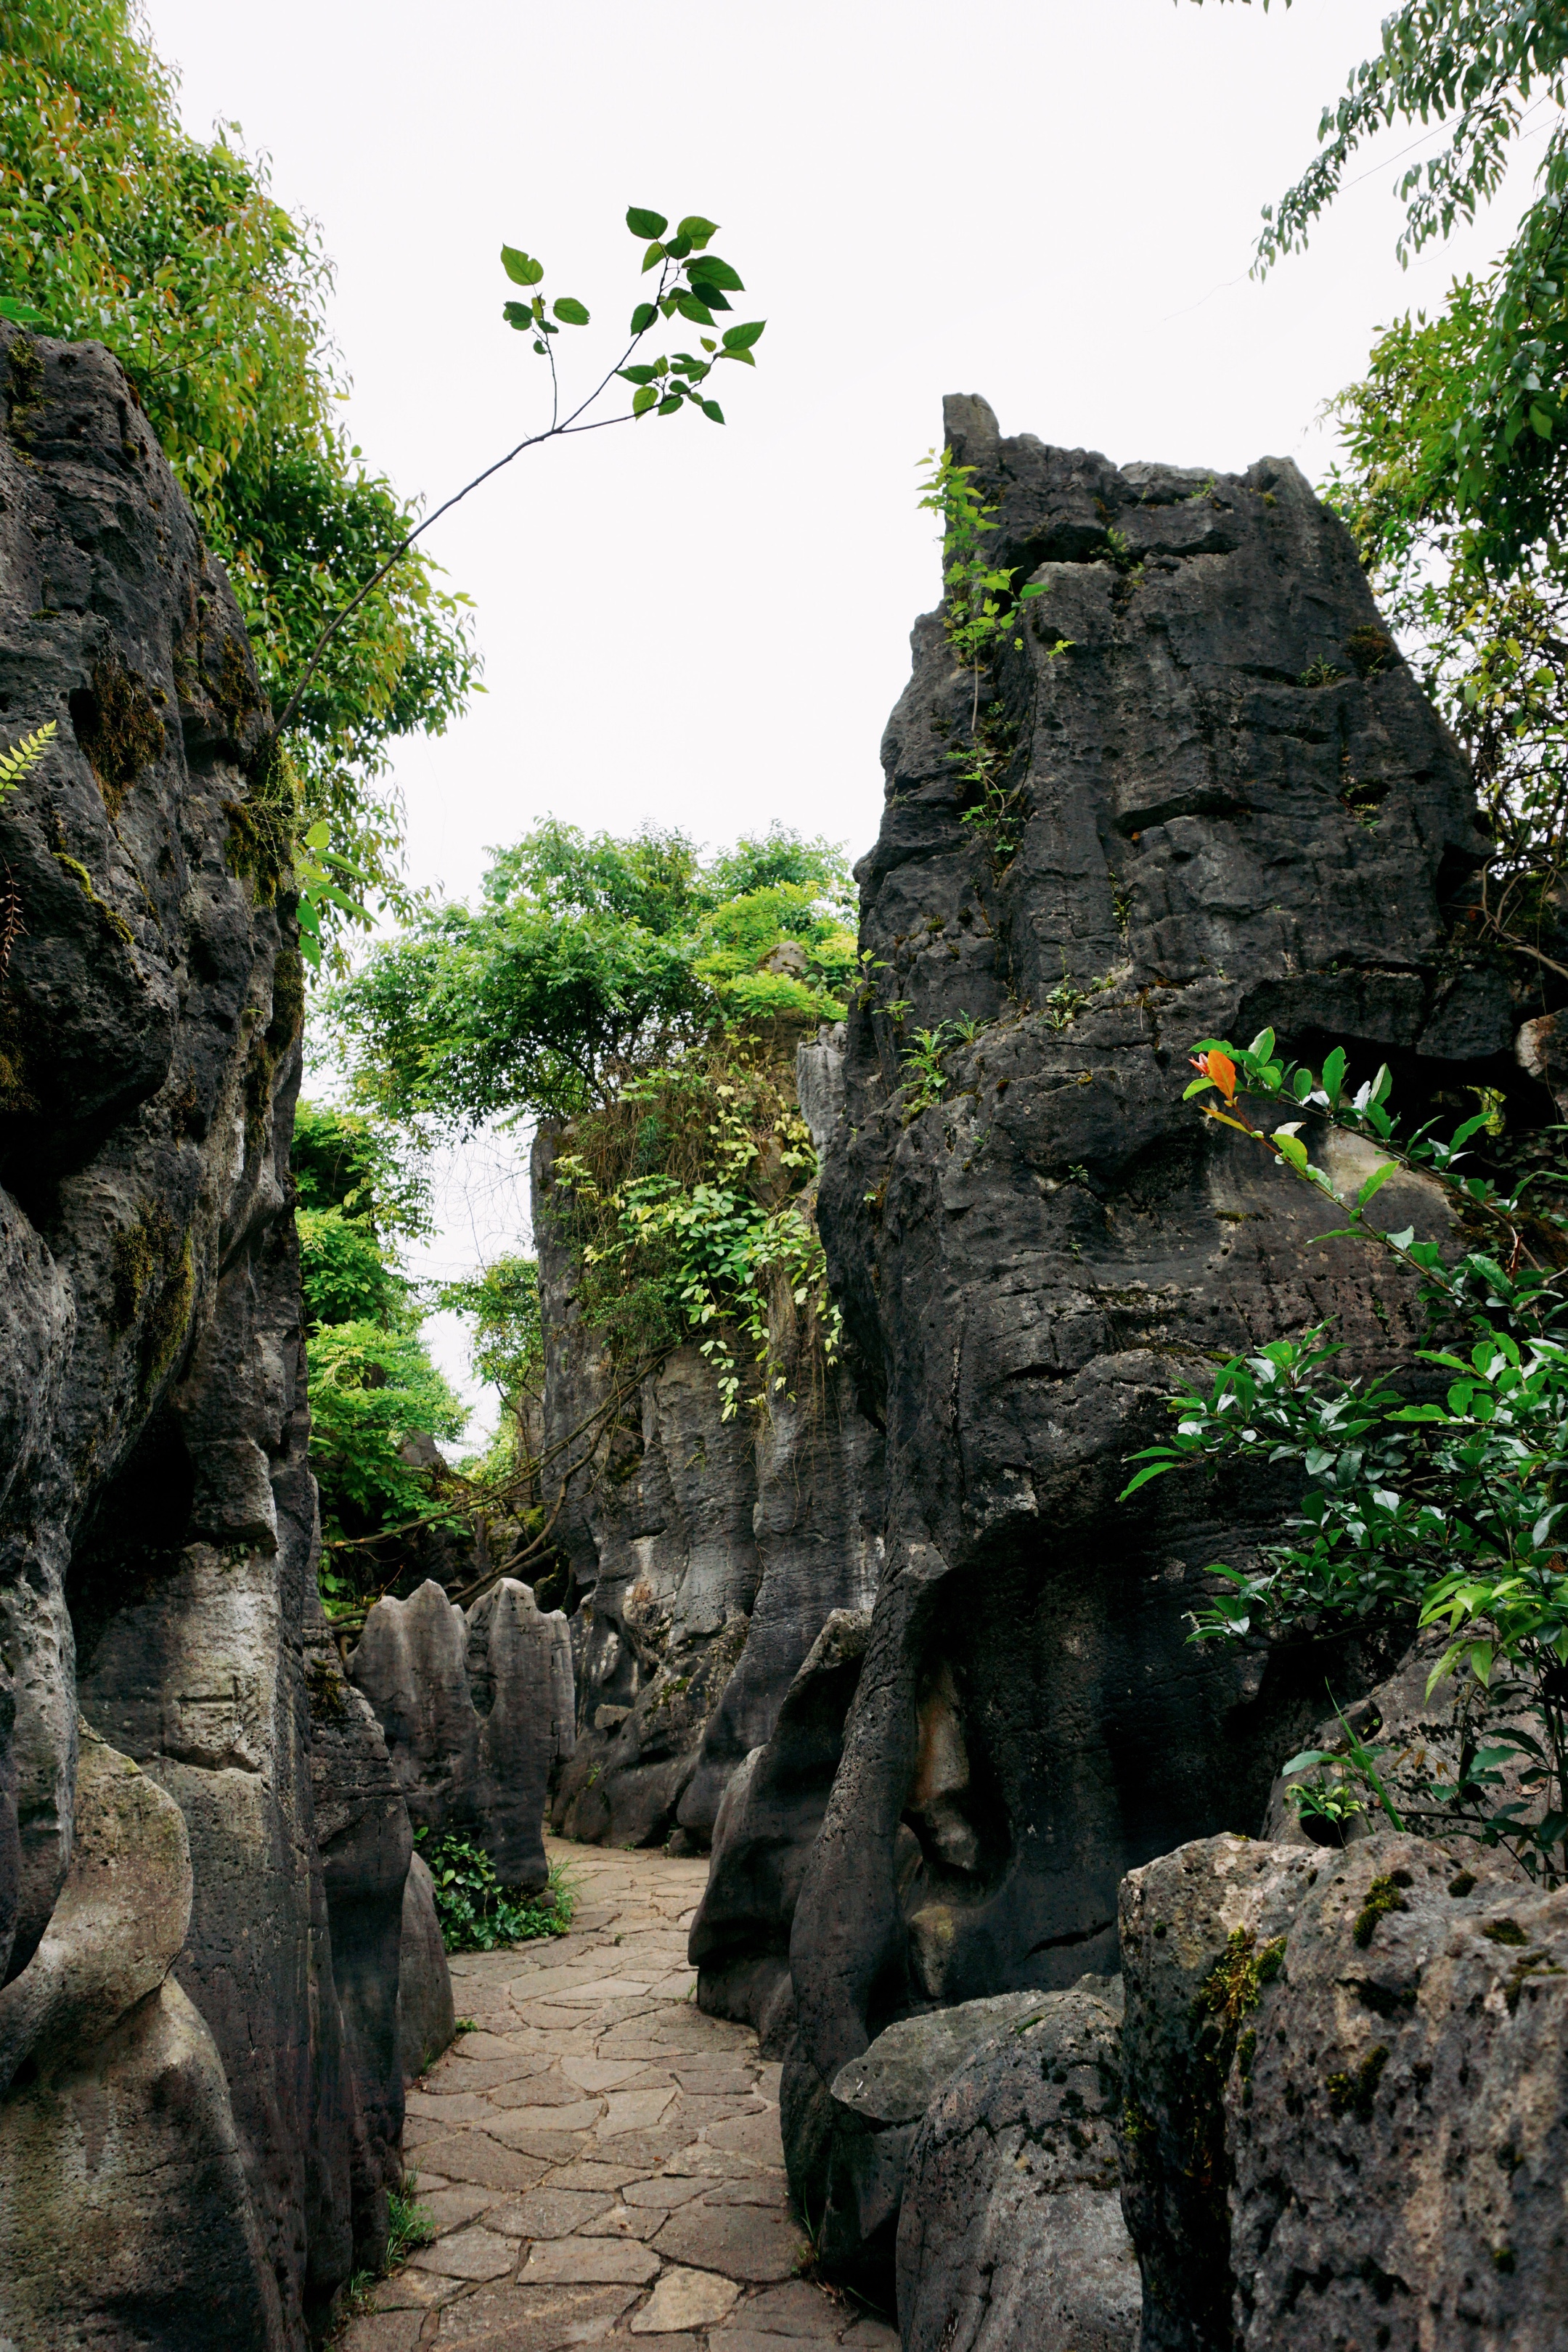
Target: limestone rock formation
x=866, y=2128
x=475, y=1711
x=1229, y=806
x=426, y=2016
x=709, y=1553
x=123, y=2200
x=766, y=1826
x=157, y=1514
x=1011, y=2237
x=1346, y=2099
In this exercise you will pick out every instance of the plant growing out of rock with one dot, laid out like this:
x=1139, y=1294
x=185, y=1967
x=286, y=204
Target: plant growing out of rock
x=15, y=763
x=979, y=610
x=1417, y=1515
x=476, y=1912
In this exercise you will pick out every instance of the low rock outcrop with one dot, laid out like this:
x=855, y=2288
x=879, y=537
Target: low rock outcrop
x=1011, y=2237
x=475, y=1710
x=1346, y=2099
x=157, y=1513
x=1229, y=806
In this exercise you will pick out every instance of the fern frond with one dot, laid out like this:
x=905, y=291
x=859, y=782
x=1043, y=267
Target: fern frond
x=23, y=757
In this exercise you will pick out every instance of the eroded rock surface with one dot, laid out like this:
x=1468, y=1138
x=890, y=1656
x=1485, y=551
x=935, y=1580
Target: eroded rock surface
x=1232, y=807
x=1346, y=2099
x=157, y=1514
x=767, y=1824
x=476, y=1710
x=1011, y=2237
x=709, y=1553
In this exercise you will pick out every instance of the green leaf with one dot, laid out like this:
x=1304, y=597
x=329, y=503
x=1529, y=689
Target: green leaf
x=1334, y=1074
x=570, y=312
x=643, y=316
x=1376, y=1181
x=711, y=410
x=520, y=266
x=516, y=314
x=744, y=356
x=1292, y=1149
x=321, y=832
x=714, y=272
x=645, y=224
x=652, y=258
x=26, y=316
x=690, y=308
x=669, y=403
x=698, y=230
x=639, y=374
x=1262, y=1046
x=1541, y=422
x=742, y=338
x=644, y=400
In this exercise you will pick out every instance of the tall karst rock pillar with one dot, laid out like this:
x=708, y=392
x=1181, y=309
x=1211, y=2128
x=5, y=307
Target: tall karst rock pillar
x=1229, y=806
x=160, y=1630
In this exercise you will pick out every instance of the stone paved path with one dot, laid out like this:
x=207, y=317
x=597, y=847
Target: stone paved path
x=601, y=2161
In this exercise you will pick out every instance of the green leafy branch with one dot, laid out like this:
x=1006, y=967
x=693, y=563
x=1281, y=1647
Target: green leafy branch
x=1418, y=1515
x=691, y=281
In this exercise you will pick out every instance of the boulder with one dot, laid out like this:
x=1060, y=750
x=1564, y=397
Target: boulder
x=1197, y=719
x=125, y=2213
x=1346, y=2099
x=426, y=2018
x=1011, y=2237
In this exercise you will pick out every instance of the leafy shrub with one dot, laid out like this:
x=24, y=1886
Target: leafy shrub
x=476, y=1913
x=1416, y=1514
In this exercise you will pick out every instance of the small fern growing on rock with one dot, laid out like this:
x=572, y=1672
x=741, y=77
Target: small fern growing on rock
x=24, y=757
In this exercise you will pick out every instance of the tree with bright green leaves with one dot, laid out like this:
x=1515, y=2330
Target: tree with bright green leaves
x=372, y=1382
x=649, y=1001
x=588, y=960
x=116, y=225
x=1456, y=477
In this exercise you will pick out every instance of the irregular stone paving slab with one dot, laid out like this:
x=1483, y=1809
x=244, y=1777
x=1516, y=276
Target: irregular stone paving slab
x=599, y=2161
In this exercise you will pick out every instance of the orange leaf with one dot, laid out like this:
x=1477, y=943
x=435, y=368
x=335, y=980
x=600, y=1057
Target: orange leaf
x=1222, y=1070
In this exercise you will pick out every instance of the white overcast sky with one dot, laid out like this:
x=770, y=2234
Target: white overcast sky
x=1048, y=202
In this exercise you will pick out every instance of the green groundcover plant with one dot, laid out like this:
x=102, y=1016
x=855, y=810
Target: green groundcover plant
x=476, y=1912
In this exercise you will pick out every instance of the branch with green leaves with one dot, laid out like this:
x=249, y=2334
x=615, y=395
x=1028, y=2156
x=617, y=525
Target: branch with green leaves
x=1523, y=1278
x=692, y=282
x=1417, y=1515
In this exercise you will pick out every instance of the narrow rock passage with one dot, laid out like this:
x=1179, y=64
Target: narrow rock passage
x=602, y=2162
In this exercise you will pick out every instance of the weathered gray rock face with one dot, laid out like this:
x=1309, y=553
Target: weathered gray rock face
x=1011, y=2237
x=475, y=1711
x=1346, y=2099
x=125, y=2215
x=767, y=1824
x=710, y=1553
x=1030, y=1264
x=157, y=1514
x=426, y=2018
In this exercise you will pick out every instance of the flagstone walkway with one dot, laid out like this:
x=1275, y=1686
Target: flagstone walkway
x=600, y=2161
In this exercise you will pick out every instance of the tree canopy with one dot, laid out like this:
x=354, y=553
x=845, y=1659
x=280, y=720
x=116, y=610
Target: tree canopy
x=590, y=958
x=114, y=223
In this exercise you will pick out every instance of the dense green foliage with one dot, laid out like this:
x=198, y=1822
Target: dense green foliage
x=372, y=1383
x=1417, y=1512
x=476, y=1912
x=588, y=960
x=652, y=999
x=114, y=223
